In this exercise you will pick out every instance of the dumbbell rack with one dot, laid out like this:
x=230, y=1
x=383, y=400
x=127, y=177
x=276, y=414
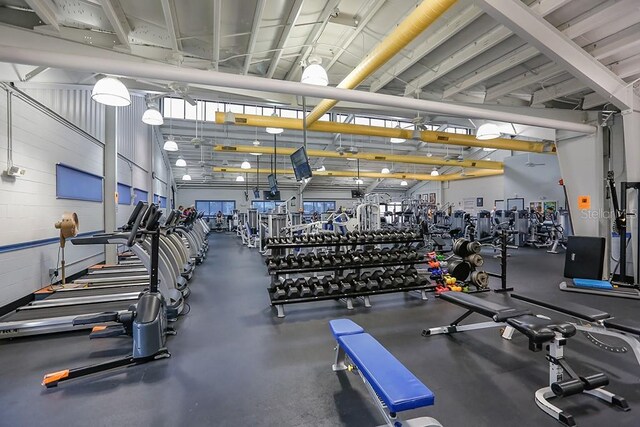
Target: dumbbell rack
x=357, y=267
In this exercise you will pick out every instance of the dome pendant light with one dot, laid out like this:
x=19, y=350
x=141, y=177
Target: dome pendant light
x=385, y=171
x=240, y=178
x=152, y=116
x=488, y=131
x=272, y=130
x=181, y=163
x=245, y=165
x=314, y=73
x=435, y=172
x=403, y=183
x=111, y=91
x=186, y=176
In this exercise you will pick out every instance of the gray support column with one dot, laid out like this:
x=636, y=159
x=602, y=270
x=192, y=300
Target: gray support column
x=110, y=180
x=631, y=125
x=151, y=185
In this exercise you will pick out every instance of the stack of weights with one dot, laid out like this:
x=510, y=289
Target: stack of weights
x=464, y=265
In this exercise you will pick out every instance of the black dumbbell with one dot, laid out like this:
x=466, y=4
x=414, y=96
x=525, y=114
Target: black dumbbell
x=316, y=286
x=277, y=293
x=305, y=290
x=325, y=259
x=347, y=283
x=330, y=286
x=375, y=257
x=292, y=261
x=372, y=285
x=359, y=285
x=313, y=260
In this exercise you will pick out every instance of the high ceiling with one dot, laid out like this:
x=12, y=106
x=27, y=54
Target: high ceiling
x=465, y=56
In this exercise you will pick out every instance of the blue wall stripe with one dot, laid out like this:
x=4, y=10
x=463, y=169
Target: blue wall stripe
x=124, y=194
x=43, y=242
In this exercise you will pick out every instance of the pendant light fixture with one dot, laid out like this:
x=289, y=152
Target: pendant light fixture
x=186, y=176
x=273, y=130
x=111, y=91
x=240, y=178
x=170, y=144
x=152, y=115
x=397, y=140
x=435, y=172
x=256, y=143
x=245, y=165
x=488, y=131
x=321, y=169
x=403, y=183
x=385, y=171
x=181, y=163
x=314, y=73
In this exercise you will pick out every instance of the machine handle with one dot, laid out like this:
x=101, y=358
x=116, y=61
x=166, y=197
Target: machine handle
x=109, y=316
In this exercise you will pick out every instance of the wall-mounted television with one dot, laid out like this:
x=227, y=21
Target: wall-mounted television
x=269, y=195
x=300, y=163
x=273, y=184
x=357, y=194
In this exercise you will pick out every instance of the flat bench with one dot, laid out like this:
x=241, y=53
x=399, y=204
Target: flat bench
x=391, y=385
x=540, y=330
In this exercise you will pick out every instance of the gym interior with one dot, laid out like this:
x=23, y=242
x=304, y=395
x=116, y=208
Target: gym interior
x=319, y=213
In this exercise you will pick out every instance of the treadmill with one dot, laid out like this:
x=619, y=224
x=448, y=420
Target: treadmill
x=57, y=316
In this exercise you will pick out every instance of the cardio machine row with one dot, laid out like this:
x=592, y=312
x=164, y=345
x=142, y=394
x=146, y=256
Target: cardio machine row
x=113, y=288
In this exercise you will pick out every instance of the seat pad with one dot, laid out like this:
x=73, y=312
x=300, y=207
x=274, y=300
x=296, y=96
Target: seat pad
x=624, y=325
x=497, y=312
x=340, y=327
x=540, y=330
x=572, y=309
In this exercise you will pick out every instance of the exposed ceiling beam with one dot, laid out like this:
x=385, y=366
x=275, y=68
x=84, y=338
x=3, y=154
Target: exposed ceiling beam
x=560, y=49
x=459, y=20
x=284, y=36
x=368, y=156
x=530, y=77
x=31, y=74
x=217, y=17
x=46, y=10
x=171, y=20
x=592, y=100
x=573, y=29
x=118, y=20
x=312, y=37
x=371, y=11
x=623, y=69
x=354, y=174
x=255, y=31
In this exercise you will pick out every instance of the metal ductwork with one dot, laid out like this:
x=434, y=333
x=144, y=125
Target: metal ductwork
x=374, y=157
x=417, y=21
x=122, y=65
x=425, y=135
x=355, y=174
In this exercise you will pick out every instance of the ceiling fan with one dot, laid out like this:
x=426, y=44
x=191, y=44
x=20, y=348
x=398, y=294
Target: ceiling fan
x=530, y=164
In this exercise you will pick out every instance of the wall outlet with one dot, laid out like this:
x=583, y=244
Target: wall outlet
x=15, y=171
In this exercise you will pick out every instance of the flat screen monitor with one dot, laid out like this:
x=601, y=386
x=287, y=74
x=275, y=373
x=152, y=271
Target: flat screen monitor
x=300, y=163
x=269, y=195
x=357, y=194
x=273, y=184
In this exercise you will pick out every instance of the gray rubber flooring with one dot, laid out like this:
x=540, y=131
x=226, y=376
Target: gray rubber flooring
x=235, y=364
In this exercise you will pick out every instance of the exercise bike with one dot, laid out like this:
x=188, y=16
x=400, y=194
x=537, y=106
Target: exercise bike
x=145, y=322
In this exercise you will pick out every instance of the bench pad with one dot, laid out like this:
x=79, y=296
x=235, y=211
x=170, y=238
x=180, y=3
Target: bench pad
x=398, y=388
x=572, y=309
x=540, y=330
x=340, y=327
x=497, y=312
x=624, y=325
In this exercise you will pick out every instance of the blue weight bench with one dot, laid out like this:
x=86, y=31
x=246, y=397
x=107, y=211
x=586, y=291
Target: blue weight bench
x=542, y=332
x=391, y=385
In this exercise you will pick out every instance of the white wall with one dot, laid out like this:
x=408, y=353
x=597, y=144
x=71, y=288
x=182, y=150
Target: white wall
x=490, y=188
x=28, y=204
x=533, y=183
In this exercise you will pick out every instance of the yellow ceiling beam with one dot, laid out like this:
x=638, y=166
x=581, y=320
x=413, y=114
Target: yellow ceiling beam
x=354, y=174
x=425, y=135
x=374, y=157
x=410, y=28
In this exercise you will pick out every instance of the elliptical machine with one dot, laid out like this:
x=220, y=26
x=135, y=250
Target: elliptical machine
x=145, y=322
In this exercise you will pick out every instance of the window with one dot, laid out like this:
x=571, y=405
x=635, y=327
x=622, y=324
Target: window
x=290, y=114
x=319, y=206
x=235, y=108
x=212, y=207
x=377, y=122
x=189, y=111
x=173, y=108
x=265, y=206
x=361, y=121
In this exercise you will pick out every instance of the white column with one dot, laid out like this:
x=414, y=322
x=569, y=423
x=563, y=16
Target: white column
x=631, y=126
x=110, y=180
